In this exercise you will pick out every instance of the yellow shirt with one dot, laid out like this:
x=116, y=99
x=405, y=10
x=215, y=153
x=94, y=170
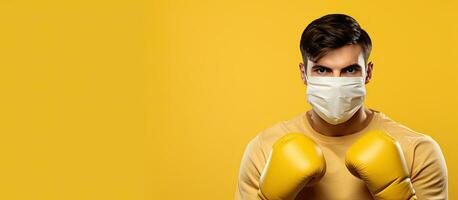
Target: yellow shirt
x=424, y=159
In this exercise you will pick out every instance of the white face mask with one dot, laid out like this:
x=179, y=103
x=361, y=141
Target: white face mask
x=336, y=99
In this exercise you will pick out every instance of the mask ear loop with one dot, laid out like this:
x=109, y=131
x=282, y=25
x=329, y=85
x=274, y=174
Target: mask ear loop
x=308, y=69
x=364, y=66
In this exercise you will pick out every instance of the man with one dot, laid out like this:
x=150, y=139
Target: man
x=340, y=149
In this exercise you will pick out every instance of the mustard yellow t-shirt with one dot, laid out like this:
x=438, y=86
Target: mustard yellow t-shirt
x=424, y=159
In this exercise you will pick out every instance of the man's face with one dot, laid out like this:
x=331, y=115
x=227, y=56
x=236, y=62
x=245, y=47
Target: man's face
x=347, y=61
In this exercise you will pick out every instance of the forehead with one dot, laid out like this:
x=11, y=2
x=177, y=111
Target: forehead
x=342, y=57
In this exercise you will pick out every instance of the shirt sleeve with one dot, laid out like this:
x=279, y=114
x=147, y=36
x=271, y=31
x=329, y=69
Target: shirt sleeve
x=250, y=171
x=429, y=171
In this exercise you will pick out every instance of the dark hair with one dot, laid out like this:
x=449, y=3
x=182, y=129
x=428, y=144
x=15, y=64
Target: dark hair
x=330, y=32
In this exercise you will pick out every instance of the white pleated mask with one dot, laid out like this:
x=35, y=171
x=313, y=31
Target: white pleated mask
x=336, y=99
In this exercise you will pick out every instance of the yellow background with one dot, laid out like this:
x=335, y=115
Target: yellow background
x=157, y=99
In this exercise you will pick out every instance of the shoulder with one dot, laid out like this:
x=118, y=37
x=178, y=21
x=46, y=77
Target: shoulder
x=403, y=134
x=281, y=128
x=267, y=137
x=423, y=154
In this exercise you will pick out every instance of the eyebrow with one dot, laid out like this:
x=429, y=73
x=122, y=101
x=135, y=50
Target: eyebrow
x=352, y=65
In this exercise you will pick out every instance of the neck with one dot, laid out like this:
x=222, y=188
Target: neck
x=356, y=123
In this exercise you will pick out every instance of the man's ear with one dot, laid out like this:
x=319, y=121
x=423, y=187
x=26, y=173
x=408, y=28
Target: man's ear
x=302, y=70
x=370, y=67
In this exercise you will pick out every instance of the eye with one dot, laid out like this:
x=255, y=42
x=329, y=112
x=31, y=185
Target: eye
x=351, y=70
x=320, y=70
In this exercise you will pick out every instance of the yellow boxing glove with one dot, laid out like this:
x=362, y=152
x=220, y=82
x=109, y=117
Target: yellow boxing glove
x=295, y=162
x=377, y=159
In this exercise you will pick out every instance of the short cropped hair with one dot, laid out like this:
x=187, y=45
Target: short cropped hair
x=330, y=32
